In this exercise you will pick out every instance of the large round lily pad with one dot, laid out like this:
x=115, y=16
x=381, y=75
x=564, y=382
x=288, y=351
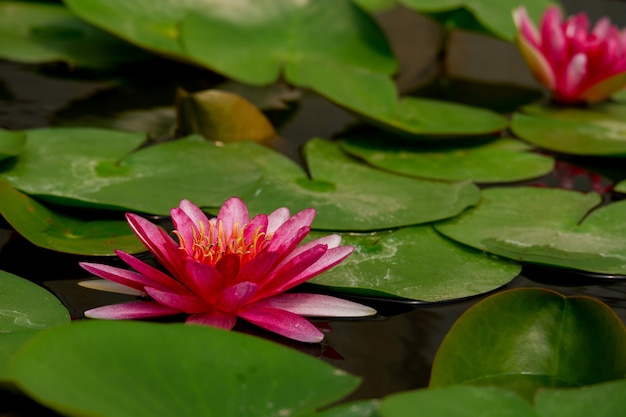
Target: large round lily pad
x=543, y=226
x=375, y=97
x=102, y=168
x=502, y=160
x=134, y=369
x=64, y=233
x=529, y=338
x=349, y=195
x=599, y=130
x=222, y=33
x=25, y=309
x=35, y=32
x=416, y=263
x=11, y=143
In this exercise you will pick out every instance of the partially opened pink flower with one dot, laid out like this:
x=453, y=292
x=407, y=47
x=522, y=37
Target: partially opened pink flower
x=228, y=267
x=575, y=64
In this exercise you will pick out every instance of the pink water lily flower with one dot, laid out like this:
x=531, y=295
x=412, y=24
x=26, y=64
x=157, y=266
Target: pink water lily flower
x=575, y=64
x=228, y=267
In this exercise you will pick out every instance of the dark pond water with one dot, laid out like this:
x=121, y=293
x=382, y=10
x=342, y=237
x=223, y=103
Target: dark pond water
x=391, y=352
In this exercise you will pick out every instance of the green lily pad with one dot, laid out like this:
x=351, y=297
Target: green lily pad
x=220, y=33
x=492, y=17
x=11, y=143
x=36, y=32
x=620, y=187
x=375, y=97
x=459, y=401
x=25, y=309
x=102, y=168
x=528, y=338
x=63, y=233
x=598, y=130
x=600, y=400
x=124, y=369
x=416, y=263
x=541, y=226
x=501, y=160
x=364, y=408
x=349, y=195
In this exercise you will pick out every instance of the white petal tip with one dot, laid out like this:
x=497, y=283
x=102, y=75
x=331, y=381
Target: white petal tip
x=110, y=286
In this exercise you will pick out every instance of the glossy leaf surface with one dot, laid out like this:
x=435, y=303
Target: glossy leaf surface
x=11, y=143
x=63, y=233
x=528, y=338
x=600, y=400
x=458, y=401
x=124, y=369
x=494, y=17
x=375, y=97
x=102, y=168
x=542, y=226
x=501, y=160
x=416, y=263
x=25, y=309
x=349, y=195
x=34, y=32
x=221, y=34
x=598, y=130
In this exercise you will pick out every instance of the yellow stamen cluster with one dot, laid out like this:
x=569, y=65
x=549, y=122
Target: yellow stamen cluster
x=209, y=246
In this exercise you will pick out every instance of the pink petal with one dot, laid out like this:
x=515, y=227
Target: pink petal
x=525, y=26
x=157, y=279
x=125, y=277
x=228, y=266
x=205, y=281
x=131, y=310
x=186, y=228
x=284, y=275
x=259, y=267
x=185, y=303
x=537, y=63
x=193, y=212
x=283, y=323
x=331, y=241
x=257, y=225
x=162, y=246
x=233, y=212
x=110, y=286
x=236, y=296
x=291, y=233
x=602, y=27
x=316, y=305
x=331, y=258
x=575, y=72
x=215, y=319
x=277, y=218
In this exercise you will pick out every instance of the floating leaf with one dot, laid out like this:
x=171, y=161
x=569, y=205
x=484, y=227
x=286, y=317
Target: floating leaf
x=501, y=160
x=98, y=167
x=600, y=400
x=620, y=187
x=528, y=338
x=35, y=32
x=365, y=408
x=494, y=17
x=460, y=401
x=25, y=309
x=416, y=263
x=348, y=195
x=374, y=96
x=221, y=33
x=220, y=116
x=598, y=130
x=124, y=369
x=541, y=225
x=63, y=233
x=11, y=143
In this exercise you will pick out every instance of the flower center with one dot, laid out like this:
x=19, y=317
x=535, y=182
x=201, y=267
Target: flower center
x=211, y=244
